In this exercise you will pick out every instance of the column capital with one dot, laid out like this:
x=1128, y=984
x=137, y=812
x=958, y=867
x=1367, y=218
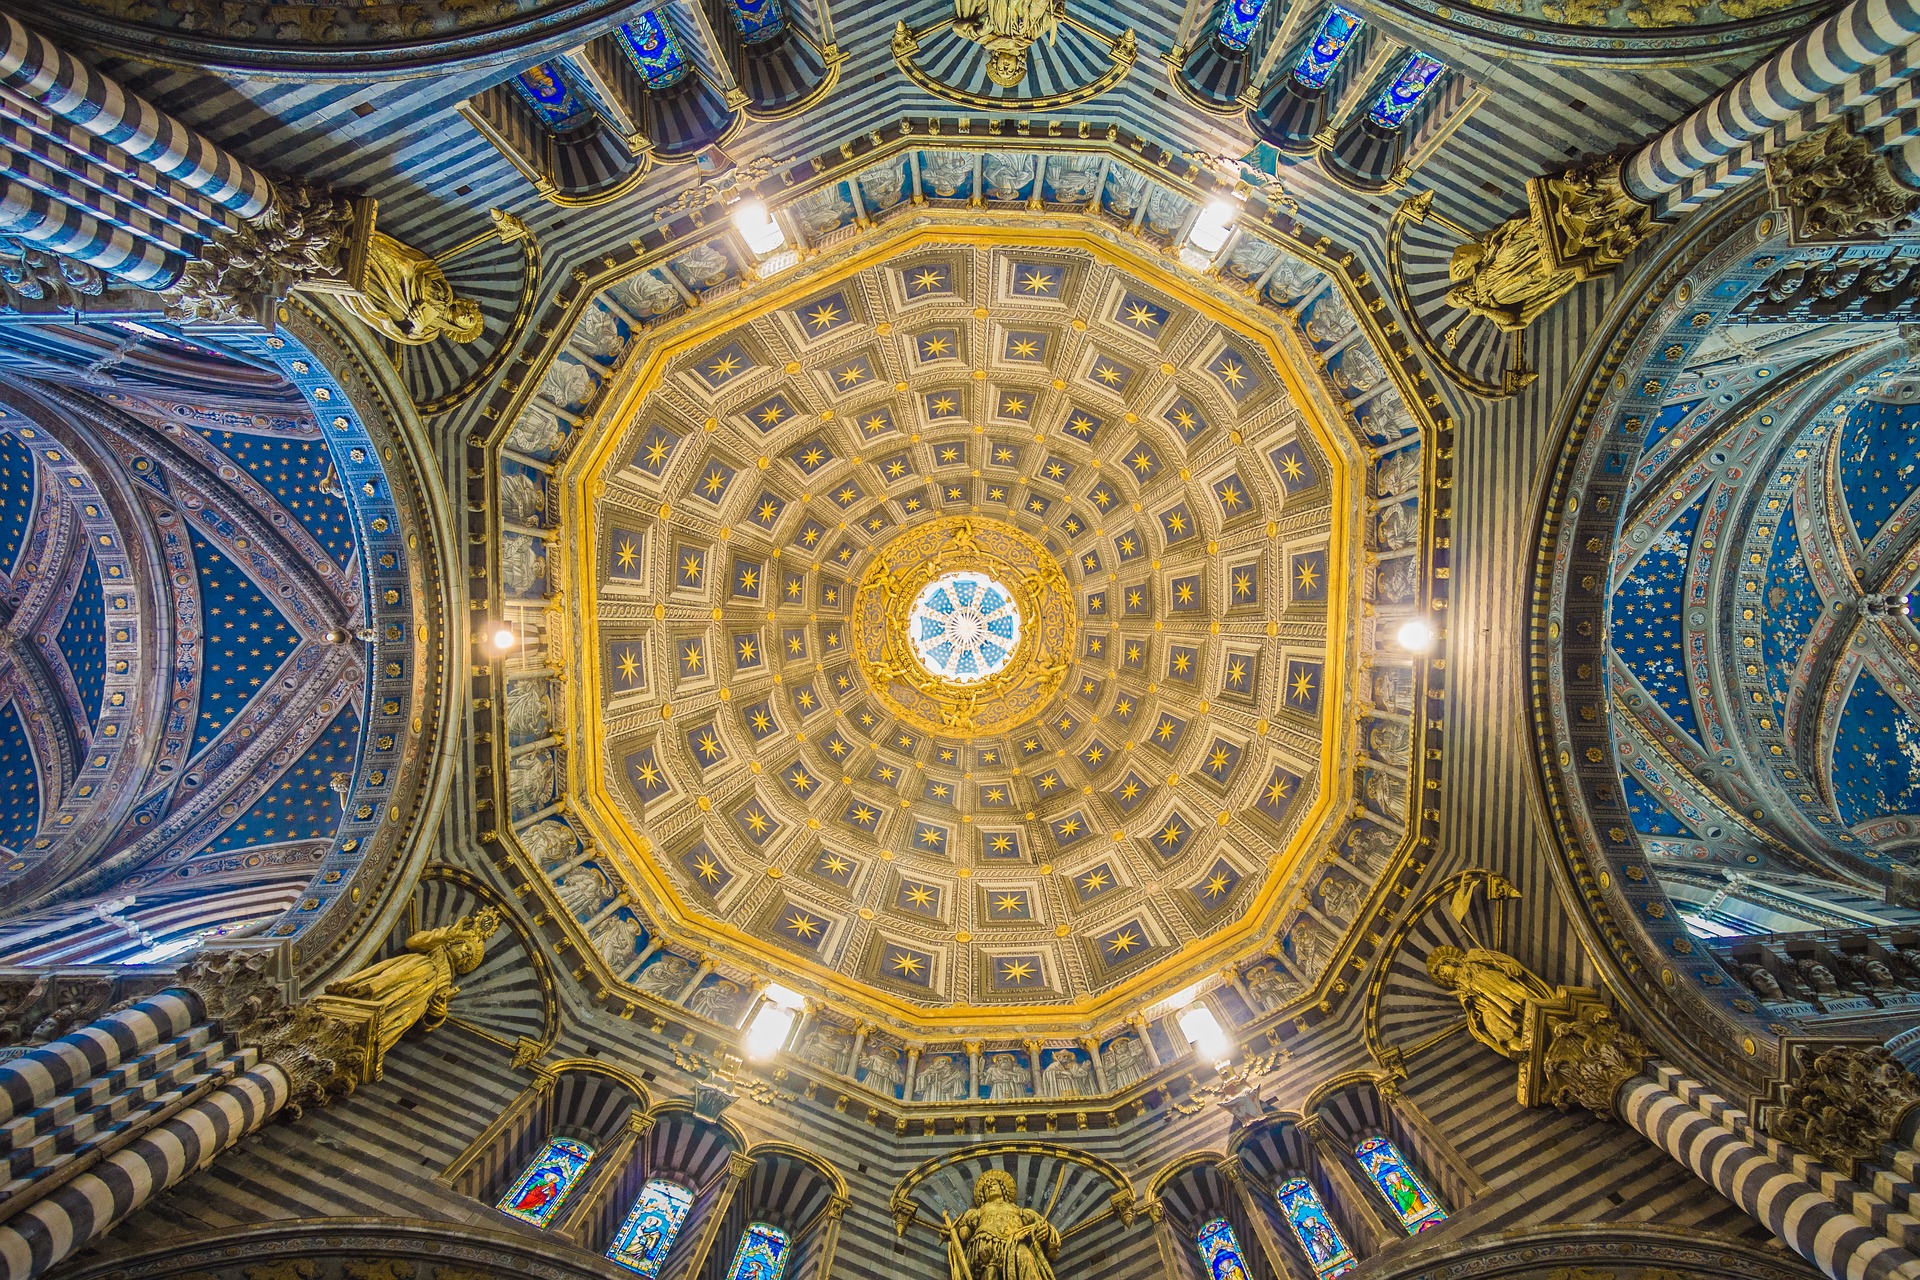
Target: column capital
x=836, y=1206
x=1231, y=1168
x=739, y=1165
x=1587, y=1059
x=1843, y=1104
x=640, y=1123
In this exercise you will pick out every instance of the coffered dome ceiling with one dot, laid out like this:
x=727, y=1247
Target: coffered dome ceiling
x=957, y=625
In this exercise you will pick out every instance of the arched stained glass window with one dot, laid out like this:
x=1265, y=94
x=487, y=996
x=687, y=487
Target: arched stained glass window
x=1417, y=1207
x=547, y=92
x=1338, y=30
x=1237, y=21
x=1397, y=100
x=1220, y=1251
x=1325, y=1248
x=537, y=1195
x=654, y=49
x=758, y=20
x=762, y=1254
x=646, y=1237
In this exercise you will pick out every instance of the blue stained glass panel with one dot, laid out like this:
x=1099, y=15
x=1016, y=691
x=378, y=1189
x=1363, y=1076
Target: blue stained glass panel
x=646, y=1237
x=1220, y=1251
x=654, y=49
x=548, y=95
x=1338, y=30
x=1397, y=1181
x=1325, y=1248
x=1237, y=21
x=536, y=1197
x=762, y=1254
x=758, y=20
x=1390, y=109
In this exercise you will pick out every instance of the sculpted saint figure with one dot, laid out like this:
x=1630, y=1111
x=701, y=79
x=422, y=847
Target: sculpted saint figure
x=999, y=1240
x=407, y=297
x=1494, y=989
x=416, y=985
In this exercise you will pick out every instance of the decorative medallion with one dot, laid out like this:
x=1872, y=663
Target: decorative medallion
x=964, y=625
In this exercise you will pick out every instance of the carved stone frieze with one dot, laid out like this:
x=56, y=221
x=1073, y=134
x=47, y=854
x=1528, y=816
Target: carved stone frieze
x=32, y=279
x=1839, y=188
x=1845, y=1104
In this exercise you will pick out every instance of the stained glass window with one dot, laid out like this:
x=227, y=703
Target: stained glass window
x=548, y=94
x=1220, y=1251
x=1390, y=109
x=762, y=1254
x=1237, y=21
x=758, y=20
x=1325, y=1248
x=1338, y=30
x=646, y=1237
x=654, y=49
x=537, y=1195
x=1397, y=1181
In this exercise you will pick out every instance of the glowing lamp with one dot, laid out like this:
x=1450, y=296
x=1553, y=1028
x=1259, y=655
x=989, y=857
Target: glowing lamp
x=1203, y=1032
x=1415, y=635
x=757, y=227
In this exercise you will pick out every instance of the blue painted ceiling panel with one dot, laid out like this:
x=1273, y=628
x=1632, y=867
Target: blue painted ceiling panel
x=301, y=805
x=246, y=637
x=1876, y=756
x=83, y=642
x=293, y=469
x=1646, y=626
x=1879, y=462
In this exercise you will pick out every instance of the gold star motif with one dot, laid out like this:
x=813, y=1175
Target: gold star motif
x=691, y=569
x=851, y=375
x=1069, y=827
x=907, y=964
x=1230, y=497
x=863, y=815
x=1096, y=880
x=693, y=657
x=1217, y=885
x=768, y=510
x=1123, y=942
x=707, y=869
x=1231, y=373
x=823, y=315
x=1001, y=844
x=709, y=747
x=725, y=366
x=1015, y=406
x=1305, y=576
x=931, y=837
x=929, y=278
x=1218, y=760
x=934, y=348
x=762, y=721
x=1243, y=584
x=626, y=553
x=1176, y=522
x=1009, y=902
x=1290, y=466
x=802, y=925
x=799, y=780
x=942, y=405
x=920, y=896
x=1107, y=374
x=771, y=415
x=1037, y=281
x=648, y=774
x=629, y=666
x=1025, y=349
x=1303, y=685
x=1171, y=833
x=656, y=451
x=1181, y=662
x=715, y=481
x=757, y=822
x=1015, y=971
x=1142, y=315
x=813, y=457
x=833, y=864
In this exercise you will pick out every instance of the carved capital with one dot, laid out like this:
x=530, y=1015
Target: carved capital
x=307, y=235
x=1837, y=187
x=836, y=1207
x=1845, y=1105
x=640, y=1123
x=323, y=1057
x=739, y=1165
x=1588, y=1058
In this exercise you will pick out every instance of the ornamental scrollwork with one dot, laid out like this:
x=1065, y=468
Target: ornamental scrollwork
x=1845, y=1105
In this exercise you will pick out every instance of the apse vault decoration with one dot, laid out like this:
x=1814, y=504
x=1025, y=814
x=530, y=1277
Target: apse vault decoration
x=964, y=627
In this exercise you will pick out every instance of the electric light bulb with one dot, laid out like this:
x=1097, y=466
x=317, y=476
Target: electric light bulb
x=1415, y=635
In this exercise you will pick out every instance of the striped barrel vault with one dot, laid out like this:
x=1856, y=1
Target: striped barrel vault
x=1797, y=1200
x=1799, y=76
x=111, y=236
x=86, y=1206
x=41, y=73
x=36, y=1078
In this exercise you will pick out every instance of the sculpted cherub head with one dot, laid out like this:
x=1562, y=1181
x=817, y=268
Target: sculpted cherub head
x=994, y=1184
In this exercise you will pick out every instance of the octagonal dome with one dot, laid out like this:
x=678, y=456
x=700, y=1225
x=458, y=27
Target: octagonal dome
x=761, y=509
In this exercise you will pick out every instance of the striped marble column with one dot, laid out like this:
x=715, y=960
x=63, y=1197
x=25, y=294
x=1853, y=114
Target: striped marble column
x=1846, y=1229
x=1843, y=61
x=98, y=1122
x=67, y=89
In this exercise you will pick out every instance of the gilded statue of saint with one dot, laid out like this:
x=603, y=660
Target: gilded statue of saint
x=416, y=985
x=997, y=1239
x=407, y=297
x=1007, y=29
x=1494, y=989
